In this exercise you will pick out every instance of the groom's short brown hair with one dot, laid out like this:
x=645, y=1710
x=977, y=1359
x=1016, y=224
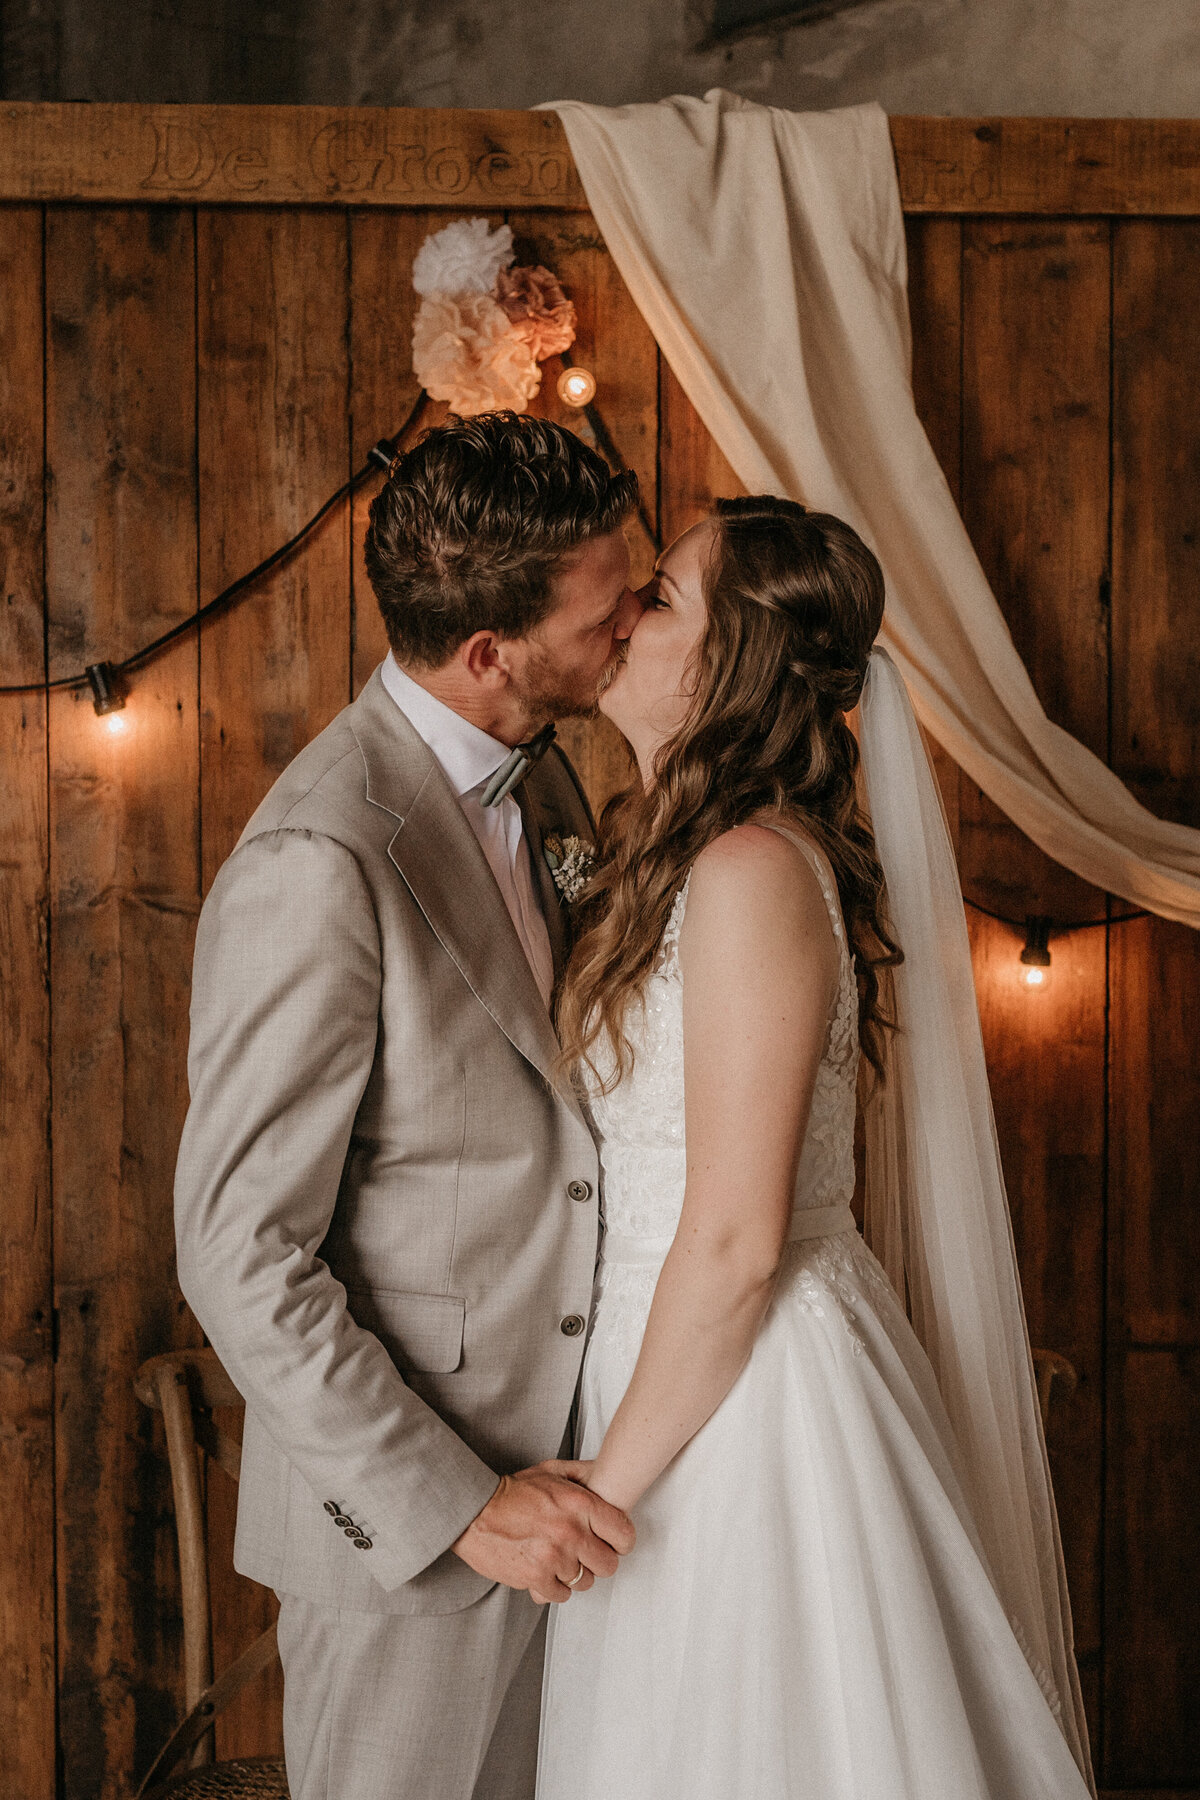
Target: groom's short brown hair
x=474, y=522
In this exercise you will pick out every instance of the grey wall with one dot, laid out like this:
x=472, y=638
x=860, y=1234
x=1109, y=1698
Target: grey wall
x=923, y=56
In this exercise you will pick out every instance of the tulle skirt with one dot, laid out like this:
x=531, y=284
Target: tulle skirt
x=807, y=1614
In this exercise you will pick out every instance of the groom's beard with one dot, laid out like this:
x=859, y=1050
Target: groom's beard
x=619, y=658
x=549, y=692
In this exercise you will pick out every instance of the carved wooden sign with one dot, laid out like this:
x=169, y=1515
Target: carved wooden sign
x=1105, y=166
x=276, y=155
x=381, y=156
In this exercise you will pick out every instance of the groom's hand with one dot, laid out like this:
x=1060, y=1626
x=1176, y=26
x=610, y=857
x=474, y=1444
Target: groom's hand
x=539, y=1526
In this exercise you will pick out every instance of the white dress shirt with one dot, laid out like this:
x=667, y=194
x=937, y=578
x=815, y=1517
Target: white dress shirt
x=469, y=758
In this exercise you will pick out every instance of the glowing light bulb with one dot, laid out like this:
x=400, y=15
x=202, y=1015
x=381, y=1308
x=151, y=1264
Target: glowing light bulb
x=1035, y=956
x=576, y=386
x=116, y=723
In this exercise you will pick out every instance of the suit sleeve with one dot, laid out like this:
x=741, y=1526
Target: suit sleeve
x=285, y=1007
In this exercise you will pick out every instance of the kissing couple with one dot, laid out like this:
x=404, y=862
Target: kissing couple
x=514, y=1193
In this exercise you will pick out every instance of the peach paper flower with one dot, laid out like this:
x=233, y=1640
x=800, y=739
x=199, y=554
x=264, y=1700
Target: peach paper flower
x=466, y=352
x=540, y=312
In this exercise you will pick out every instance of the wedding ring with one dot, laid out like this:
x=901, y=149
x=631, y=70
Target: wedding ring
x=577, y=1578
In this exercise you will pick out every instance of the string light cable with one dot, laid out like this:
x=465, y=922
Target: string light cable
x=104, y=678
x=576, y=388
x=1035, y=957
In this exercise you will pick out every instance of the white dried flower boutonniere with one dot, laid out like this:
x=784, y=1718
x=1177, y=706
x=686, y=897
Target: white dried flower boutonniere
x=571, y=862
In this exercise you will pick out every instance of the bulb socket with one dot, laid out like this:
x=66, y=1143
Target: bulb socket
x=1036, y=952
x=105, y=685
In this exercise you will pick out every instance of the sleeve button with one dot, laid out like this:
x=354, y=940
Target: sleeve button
x=361, y=1543
x=342, y=1520
x=331, y=1509
x=572, y=1325
x=352, y=1531
x=579, y=1190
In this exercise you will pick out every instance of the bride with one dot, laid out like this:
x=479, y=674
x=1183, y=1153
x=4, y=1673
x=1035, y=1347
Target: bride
x=847, y=1583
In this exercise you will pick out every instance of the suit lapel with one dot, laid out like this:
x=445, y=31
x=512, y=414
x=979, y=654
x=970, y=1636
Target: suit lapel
x=539, y=821
x=440, y=860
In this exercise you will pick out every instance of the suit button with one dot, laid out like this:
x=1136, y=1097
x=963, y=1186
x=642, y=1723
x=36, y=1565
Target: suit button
x=579, y=1190
x=361, y=1543
x=331, y=1509
x=572, y=1325
x=342, y=1520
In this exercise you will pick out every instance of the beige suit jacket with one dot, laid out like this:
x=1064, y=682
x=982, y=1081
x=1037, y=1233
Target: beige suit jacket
x=386, y=1207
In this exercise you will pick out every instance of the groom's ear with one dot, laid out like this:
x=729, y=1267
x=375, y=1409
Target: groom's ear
x=485, y=659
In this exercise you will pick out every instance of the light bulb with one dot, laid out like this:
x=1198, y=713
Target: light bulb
x=1035, y=956
x=576, y=386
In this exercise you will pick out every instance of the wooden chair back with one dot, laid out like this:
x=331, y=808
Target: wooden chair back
x=187, y=1386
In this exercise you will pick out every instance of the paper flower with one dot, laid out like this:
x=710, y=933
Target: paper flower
x=540, y=312
x=466, y=353
x=463, y=258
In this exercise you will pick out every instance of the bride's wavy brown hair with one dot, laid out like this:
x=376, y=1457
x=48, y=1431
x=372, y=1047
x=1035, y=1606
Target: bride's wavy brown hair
x=794, y=601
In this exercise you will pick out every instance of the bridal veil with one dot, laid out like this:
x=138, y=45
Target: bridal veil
x=936, y=1210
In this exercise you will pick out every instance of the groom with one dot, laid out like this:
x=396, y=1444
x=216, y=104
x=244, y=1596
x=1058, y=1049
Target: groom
x=386, y=1197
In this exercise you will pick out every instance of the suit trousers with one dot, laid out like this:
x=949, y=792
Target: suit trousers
x=428, y=1706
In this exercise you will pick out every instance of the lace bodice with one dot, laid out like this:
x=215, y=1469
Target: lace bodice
x=640, y=1124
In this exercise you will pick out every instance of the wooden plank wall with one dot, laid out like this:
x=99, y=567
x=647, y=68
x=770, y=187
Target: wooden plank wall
x=177, y=393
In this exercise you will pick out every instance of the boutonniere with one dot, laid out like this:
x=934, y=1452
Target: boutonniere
x=571, y=862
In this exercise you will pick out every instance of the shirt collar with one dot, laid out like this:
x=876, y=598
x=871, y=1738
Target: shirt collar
x=468, y=756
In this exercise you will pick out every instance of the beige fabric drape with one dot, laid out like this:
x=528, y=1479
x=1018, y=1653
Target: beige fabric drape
x=765, y=250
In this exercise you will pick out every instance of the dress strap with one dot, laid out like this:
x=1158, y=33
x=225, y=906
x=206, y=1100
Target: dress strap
x=668, y=949
x=817, y=862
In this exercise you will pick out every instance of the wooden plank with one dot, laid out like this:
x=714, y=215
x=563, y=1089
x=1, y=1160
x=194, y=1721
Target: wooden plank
x=935, y=305
x=125, y=879
x=1152, y=1651
x=1152, y=1677
x=1156, y=746
x=692, y=471
x=1045, y=1057
x=383, y=386
x=615, y=343
x=284, y=155
x=1035, y=464
x=1154, y=1214
x=372, y=156
x=935, y=309
x=1156, y=515
x=27, y=1632
x=1031, y=166
x=1035, y=476
x=273, y=443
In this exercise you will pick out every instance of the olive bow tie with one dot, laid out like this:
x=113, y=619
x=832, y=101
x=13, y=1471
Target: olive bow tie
x=516, y=766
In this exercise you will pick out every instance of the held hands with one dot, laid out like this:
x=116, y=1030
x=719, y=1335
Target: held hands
x=540, y=1526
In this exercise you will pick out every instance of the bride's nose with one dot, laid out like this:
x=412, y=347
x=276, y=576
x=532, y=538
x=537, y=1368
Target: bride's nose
x=633, y=604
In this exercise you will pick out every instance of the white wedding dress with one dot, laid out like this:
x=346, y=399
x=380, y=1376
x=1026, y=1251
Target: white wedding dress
x=807, y=1614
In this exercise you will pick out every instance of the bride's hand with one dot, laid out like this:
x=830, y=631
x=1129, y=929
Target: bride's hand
x=574, y=1471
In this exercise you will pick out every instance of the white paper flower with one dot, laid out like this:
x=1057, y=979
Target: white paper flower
x=465, y=352
x=463, y=258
